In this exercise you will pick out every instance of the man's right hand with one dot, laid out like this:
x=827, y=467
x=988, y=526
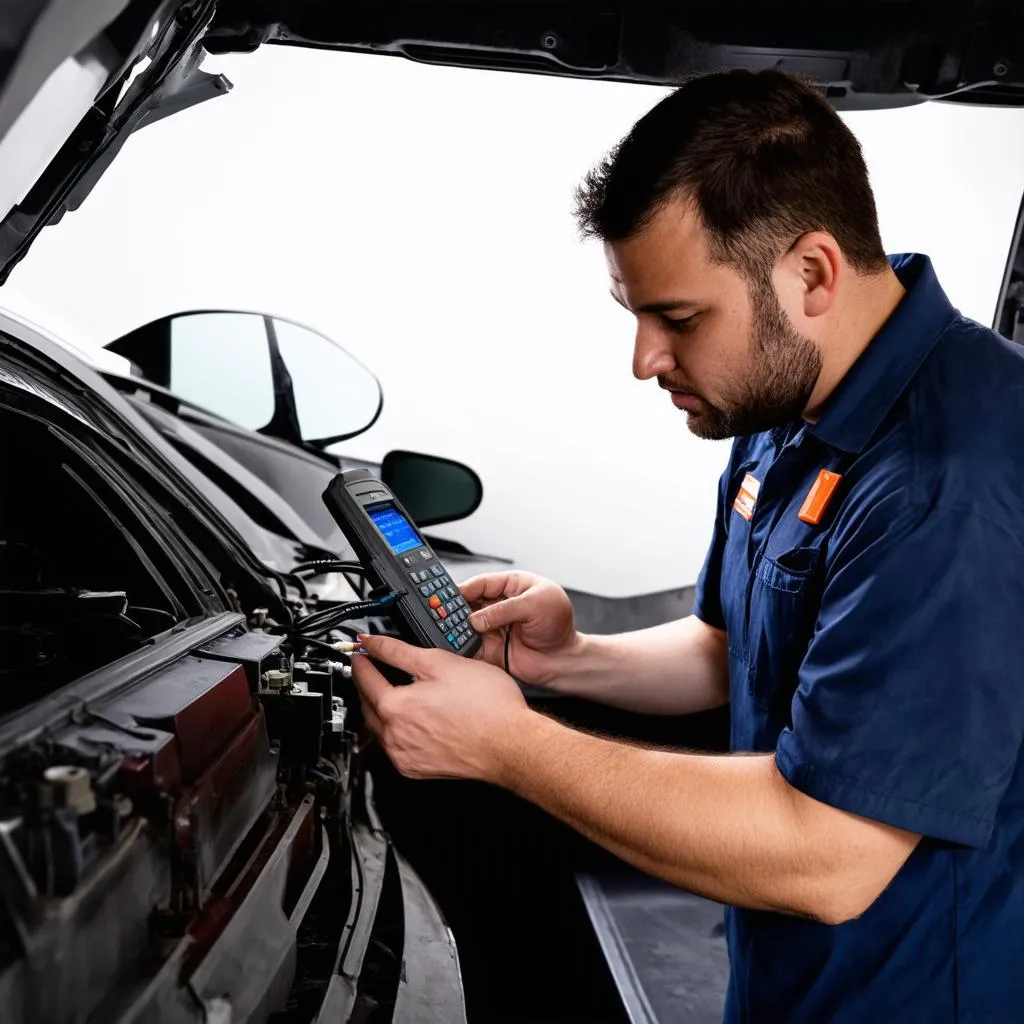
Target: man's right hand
x=539, y=614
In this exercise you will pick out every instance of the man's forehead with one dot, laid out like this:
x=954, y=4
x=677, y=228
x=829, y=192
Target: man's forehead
x=668, y=258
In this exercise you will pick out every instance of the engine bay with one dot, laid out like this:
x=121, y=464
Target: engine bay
x=174, y=788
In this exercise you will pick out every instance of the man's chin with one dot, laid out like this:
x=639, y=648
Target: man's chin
x=707, y=426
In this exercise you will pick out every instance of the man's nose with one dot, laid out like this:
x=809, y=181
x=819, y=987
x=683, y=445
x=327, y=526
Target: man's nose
x=652, y=354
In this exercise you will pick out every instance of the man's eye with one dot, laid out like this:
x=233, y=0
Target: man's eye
x=680, y=326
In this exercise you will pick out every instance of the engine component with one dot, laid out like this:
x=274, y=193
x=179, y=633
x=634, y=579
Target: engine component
x=295, y=720
x=255, y=652
x=68, y=786
x=277, y=679
x=338, y=713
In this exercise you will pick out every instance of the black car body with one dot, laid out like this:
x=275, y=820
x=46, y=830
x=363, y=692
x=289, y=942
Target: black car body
x=176, y=789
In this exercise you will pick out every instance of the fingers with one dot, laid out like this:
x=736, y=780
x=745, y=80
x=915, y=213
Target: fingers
x=372, y=687
x=392, y=652
x=494, y=616
x=494, y=585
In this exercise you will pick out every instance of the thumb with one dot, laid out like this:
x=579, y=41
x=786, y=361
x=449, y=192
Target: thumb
x=502, y=613
x=395, y=652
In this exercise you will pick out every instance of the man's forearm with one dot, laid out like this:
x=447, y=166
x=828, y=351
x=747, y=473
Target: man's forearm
x=673, y=669
x=727, y=827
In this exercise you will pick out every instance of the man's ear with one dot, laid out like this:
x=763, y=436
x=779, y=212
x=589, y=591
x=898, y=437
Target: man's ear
x=813, y=267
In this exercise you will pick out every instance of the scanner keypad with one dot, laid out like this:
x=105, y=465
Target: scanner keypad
x=446, y=606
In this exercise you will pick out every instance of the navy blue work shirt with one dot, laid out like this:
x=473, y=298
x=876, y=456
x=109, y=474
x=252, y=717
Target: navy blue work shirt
x=879, y=654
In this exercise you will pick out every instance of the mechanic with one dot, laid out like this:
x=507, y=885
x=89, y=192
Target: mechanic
x=860, y=607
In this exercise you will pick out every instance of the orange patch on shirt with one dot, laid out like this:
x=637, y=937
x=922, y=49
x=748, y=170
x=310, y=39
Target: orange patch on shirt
x=746, y=499
x=819, y=496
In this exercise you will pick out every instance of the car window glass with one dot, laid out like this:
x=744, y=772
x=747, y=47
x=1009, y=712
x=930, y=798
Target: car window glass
x=334, y=393
x=221, y=361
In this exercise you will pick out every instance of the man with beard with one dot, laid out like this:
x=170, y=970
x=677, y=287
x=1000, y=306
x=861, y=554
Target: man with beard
x=860, y=603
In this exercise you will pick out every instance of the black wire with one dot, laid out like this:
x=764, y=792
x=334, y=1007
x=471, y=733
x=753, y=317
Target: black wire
x=299, y=585
x=325, y=615
x=325, y=565
x=283, y=630
x=508, y=642
x=347, y=630
x=281, y=579
x=323, y=620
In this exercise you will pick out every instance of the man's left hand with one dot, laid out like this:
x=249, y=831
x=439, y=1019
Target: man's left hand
x=457, y=719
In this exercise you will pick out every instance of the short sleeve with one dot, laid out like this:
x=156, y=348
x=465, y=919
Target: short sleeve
x=909, y=707
x=707, y=600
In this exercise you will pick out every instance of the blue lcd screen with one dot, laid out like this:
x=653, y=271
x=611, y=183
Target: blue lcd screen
x=394, y=528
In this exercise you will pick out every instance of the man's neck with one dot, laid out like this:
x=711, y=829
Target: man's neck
x=866, y=307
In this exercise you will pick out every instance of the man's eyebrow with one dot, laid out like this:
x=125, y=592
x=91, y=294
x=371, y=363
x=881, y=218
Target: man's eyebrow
x=658, y=307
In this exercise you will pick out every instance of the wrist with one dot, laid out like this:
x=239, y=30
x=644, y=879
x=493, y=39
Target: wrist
x=575, y=664
x=515, y=752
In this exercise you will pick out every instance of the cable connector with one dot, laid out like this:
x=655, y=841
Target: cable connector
x=346, y=646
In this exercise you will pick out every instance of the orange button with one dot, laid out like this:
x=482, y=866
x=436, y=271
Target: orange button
x=442, y=613
x=435, y=602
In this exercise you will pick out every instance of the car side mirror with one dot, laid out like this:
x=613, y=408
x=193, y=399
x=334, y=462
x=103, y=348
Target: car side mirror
x=432, y=489
x=260, y=372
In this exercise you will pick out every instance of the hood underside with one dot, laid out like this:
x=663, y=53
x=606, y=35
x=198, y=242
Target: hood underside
x=76, y=79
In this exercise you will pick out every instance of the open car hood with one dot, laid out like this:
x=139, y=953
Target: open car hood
x=76, y=79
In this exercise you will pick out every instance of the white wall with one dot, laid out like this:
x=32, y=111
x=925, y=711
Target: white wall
x=422, y=217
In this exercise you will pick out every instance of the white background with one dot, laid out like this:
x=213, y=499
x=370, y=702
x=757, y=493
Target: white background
x=422, y=217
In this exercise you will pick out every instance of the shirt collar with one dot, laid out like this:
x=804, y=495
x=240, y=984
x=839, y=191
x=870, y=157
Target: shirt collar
x=855, y=409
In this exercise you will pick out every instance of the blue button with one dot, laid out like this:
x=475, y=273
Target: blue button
x=426, y=590
x=451, y=639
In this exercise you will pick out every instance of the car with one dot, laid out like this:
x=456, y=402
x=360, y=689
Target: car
x=285, y=396
x=189, y=829
x=298, y=384
x=179, y=775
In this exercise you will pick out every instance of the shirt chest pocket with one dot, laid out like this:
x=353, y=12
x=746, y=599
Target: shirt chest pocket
x=784, y=599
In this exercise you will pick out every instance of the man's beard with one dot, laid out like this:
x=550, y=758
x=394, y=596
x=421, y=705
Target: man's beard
x=780, y=379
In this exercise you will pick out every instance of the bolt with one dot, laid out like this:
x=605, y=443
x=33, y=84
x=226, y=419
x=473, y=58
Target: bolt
x=549, y=41
x=1000, y=68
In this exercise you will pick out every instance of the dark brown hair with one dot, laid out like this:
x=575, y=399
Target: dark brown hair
x=763, y=157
